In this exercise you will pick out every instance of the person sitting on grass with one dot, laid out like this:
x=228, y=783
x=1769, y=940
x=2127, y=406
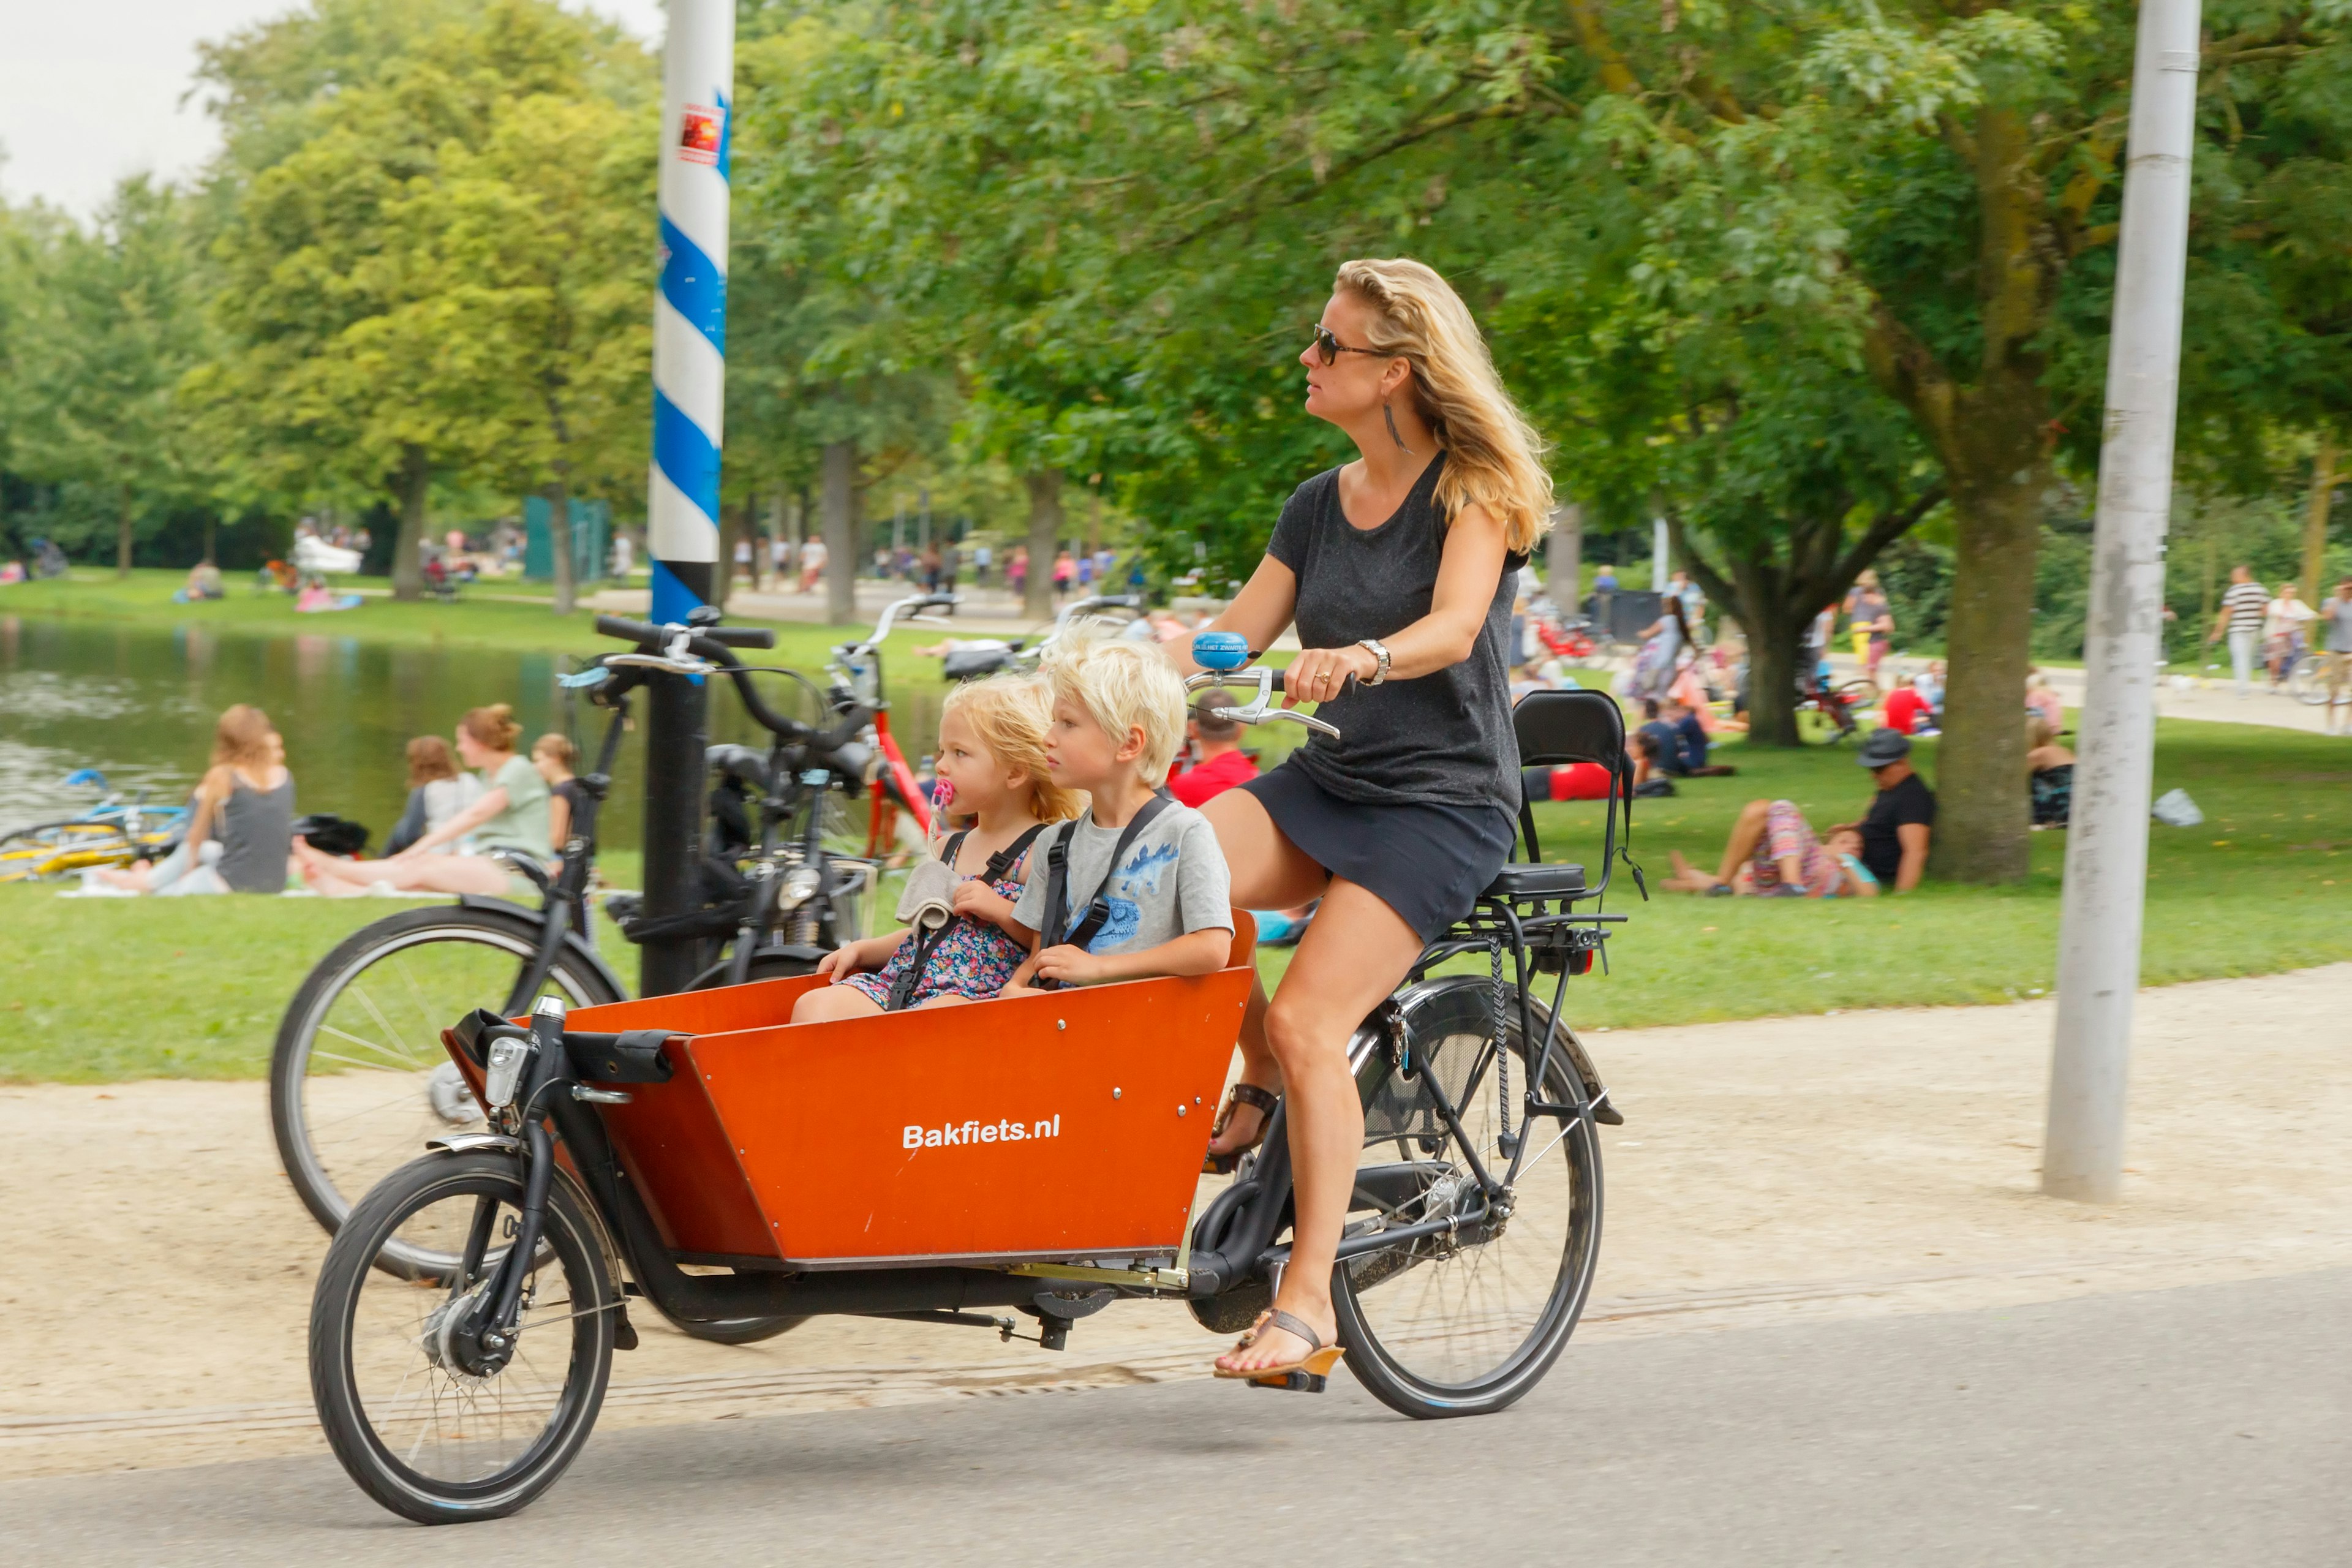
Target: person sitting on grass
x=242, y=824
x=556, y=759
x=1774, y=836
x=1145, y=891
x=1217, y=761
x=1907, y=712
x=510, y=816
x=991, y=761
x=437, y=791
x=1789, y=863
x=2051, y=777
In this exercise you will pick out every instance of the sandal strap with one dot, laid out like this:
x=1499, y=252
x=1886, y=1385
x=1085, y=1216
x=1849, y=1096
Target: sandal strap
x=1297, y=1327
x=1250, y=1094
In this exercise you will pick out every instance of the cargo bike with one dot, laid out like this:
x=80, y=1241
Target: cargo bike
x=1010, y=1165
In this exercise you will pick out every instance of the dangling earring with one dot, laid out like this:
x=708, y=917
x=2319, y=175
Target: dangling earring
x=1389, y=415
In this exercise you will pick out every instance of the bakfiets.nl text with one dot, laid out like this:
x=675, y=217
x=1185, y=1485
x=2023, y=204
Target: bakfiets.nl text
x=963, y=1132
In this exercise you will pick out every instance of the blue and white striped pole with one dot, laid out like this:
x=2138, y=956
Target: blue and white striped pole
x=690, y=311
x=682, y=499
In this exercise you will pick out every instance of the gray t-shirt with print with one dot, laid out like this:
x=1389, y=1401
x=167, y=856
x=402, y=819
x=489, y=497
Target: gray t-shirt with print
x=1173, y=881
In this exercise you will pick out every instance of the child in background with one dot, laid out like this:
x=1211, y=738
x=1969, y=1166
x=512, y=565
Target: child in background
x=556, y=758
x=1144, y=887
x=993, y=772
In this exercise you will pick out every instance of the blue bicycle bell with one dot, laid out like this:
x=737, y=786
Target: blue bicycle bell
x=1221, y=651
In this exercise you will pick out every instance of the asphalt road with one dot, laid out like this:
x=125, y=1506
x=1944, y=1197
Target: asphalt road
x=2206, y=1425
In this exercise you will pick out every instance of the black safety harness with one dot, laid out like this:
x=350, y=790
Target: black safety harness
x=926, y=940
x=1096, y=912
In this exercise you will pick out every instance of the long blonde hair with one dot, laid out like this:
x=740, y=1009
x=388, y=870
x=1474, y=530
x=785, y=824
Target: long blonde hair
x=1010, y=714
x=241, y=738
x=1493, y=455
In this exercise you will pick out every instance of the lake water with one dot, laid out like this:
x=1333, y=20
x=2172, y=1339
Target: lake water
x=139, y=704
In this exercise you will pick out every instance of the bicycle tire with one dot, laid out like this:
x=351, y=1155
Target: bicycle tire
x=570, y=1239
x=1818, y=727
x=2306, y=680
x=1860, y=692
x=1389, y=1344
x=411, y=1047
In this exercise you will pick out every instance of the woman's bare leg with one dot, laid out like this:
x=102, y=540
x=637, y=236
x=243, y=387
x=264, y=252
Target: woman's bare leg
x=1744, y=836
x=1269, y=873
x=1351, y=957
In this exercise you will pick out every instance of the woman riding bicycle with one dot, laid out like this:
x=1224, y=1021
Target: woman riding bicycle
x=1398, y=570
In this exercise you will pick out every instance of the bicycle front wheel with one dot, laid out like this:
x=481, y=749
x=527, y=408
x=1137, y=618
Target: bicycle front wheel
x=1467, y=1322
x=358, y=1078
x=2307, y=679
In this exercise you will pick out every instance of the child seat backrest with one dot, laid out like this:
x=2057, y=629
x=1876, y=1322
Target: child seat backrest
x=1578, y=726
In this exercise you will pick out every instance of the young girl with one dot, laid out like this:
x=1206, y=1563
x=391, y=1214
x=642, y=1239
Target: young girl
x=245, y=805
x=555, y=757
x=437, y=791
x=993, y=756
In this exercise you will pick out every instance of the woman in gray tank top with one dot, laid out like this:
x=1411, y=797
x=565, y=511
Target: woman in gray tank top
x=240, y=838
x=1398, y=571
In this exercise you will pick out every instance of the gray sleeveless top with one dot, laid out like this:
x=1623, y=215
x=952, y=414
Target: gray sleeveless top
x=256, y=830
x=1442, y=739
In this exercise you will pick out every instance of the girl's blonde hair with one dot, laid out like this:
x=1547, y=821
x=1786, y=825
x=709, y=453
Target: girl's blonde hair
x=1010, y=713
x=241, y=738
x=1493, y=455
x=557, y=744
x=428, y=760
x=1123, y=685
x=494, y=726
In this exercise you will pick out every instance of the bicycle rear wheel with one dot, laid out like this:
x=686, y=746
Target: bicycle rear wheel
x=2307, y=679
x=1467, y=1323
x=358, y=1078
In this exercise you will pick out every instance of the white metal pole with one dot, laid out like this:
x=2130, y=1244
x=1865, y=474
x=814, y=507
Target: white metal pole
x=2106, y=848
x=690, y=308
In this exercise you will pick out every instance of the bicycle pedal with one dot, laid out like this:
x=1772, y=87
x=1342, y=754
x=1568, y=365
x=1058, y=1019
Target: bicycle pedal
x=625, y=1333
x=1293, y=1383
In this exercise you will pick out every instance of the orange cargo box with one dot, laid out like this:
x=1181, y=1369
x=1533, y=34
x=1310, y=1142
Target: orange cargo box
x=1038, y=1128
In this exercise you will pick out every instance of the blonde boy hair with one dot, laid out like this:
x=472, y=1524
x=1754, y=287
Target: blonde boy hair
x=1123, y=685
x=1011, y=713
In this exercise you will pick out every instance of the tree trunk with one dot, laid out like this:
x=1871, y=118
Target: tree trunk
x=840, y=533
x=1983, y=824
x=730, y=529
x=559, y=542
x=212, y=540
x=1564, y=557
x=1045, y=540
x=2314, y=521
x=407, y=552
x=122, y=537
x=1775, y=640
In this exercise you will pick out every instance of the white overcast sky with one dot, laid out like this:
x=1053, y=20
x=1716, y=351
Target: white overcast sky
x=91, y=91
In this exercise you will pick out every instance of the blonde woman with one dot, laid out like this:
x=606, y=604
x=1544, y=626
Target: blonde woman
x=238, y=838
x=1398, y=570
x=510, y=814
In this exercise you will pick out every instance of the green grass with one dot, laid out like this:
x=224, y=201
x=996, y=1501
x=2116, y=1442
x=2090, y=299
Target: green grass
x=145, y=599
x=111, y=989
x=2261, y=887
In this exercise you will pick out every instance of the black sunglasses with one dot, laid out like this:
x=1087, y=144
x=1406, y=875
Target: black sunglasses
x=1328, y=348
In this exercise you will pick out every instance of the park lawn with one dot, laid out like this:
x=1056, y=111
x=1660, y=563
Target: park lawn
x=485, y=614
x=2263, y=885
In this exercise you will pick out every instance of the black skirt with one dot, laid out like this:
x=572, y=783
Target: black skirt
x=1428, y=863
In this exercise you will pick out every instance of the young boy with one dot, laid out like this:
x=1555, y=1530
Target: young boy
x=1119, y=715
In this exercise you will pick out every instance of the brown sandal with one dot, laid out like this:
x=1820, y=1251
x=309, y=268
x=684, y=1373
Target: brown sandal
x=1240, y=1094
x=1307, y=1375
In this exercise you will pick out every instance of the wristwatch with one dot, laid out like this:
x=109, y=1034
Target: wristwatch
x=1378, y=650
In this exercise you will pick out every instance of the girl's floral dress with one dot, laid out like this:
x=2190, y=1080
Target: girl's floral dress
x=974, y=958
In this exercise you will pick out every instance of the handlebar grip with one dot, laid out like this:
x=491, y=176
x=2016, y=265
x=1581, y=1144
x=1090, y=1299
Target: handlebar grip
x=740, y=636
x=627, y=630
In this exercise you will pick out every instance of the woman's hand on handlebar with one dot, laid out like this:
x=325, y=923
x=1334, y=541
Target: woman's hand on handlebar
x=1319, y=674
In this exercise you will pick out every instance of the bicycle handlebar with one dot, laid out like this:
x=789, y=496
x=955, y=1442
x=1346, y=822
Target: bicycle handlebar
x=647, y=636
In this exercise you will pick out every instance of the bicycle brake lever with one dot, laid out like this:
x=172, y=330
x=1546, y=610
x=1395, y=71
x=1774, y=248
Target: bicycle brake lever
x=686, y=665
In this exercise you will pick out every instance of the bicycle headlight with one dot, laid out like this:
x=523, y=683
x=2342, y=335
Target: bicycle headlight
x=507, y=1057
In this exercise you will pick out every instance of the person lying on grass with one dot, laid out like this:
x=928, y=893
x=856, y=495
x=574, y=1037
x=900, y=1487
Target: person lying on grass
x=992, y=764
x=1789, y=863
x=1784, y=858
x=1145, y=888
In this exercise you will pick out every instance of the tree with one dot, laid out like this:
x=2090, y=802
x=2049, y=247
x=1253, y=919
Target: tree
x=347, y=358
x=541, y=263
x=112, y=325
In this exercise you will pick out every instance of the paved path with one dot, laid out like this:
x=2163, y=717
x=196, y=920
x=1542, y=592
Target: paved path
x=2198, y=1425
